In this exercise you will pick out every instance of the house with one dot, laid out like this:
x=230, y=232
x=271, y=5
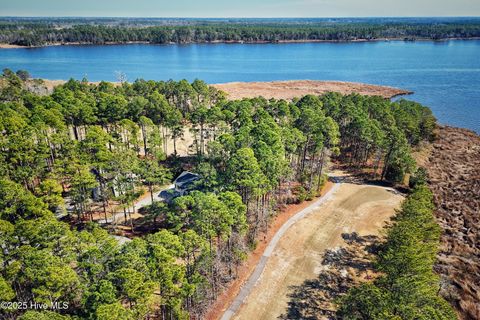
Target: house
x=186, y=181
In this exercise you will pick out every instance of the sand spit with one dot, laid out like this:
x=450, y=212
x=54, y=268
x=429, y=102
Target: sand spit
x=285, y=89
x=298, y=88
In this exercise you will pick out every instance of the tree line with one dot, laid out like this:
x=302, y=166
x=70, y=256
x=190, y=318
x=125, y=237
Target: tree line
x=72, y=157
x=407, y=288
x=38, y=33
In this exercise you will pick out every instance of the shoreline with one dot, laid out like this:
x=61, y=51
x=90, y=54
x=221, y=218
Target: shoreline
x=55, y=44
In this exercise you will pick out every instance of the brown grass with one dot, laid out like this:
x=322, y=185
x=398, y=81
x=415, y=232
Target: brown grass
x=303, y=256
x=285, y=89
x=454, y=171
x=298, y=88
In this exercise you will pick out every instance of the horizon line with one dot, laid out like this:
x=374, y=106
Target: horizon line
x=232, y=17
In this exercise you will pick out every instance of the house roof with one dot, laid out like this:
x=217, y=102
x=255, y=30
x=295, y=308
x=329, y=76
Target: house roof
x=186, y=177
x=169, y=194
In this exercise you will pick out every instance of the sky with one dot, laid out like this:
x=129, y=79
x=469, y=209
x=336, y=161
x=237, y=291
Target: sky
x=239, y=8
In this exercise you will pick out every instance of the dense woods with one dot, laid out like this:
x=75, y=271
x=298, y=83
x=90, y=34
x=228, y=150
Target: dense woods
x=72, y=158
x=40, y=32
x=408, y=287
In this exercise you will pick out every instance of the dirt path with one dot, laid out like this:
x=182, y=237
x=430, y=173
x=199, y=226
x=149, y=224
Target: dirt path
x=247, y=287
x=299, y=252
x=217, y=309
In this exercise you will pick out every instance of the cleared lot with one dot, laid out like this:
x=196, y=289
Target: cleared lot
x=298, y=255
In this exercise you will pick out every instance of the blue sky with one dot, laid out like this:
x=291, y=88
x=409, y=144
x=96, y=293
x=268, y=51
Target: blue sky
x=240, y=8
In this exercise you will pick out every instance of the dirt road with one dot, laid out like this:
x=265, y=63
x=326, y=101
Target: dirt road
x=299, y=252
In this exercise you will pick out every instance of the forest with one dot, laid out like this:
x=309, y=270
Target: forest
x=72, y=157
x=37, y=32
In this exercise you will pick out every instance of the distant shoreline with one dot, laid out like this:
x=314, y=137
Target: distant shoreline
x=54, y=44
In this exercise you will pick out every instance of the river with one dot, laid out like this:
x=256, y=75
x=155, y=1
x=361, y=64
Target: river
x=444, y=75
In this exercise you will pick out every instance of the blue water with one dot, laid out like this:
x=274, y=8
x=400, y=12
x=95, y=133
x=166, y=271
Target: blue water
x=444, y=75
